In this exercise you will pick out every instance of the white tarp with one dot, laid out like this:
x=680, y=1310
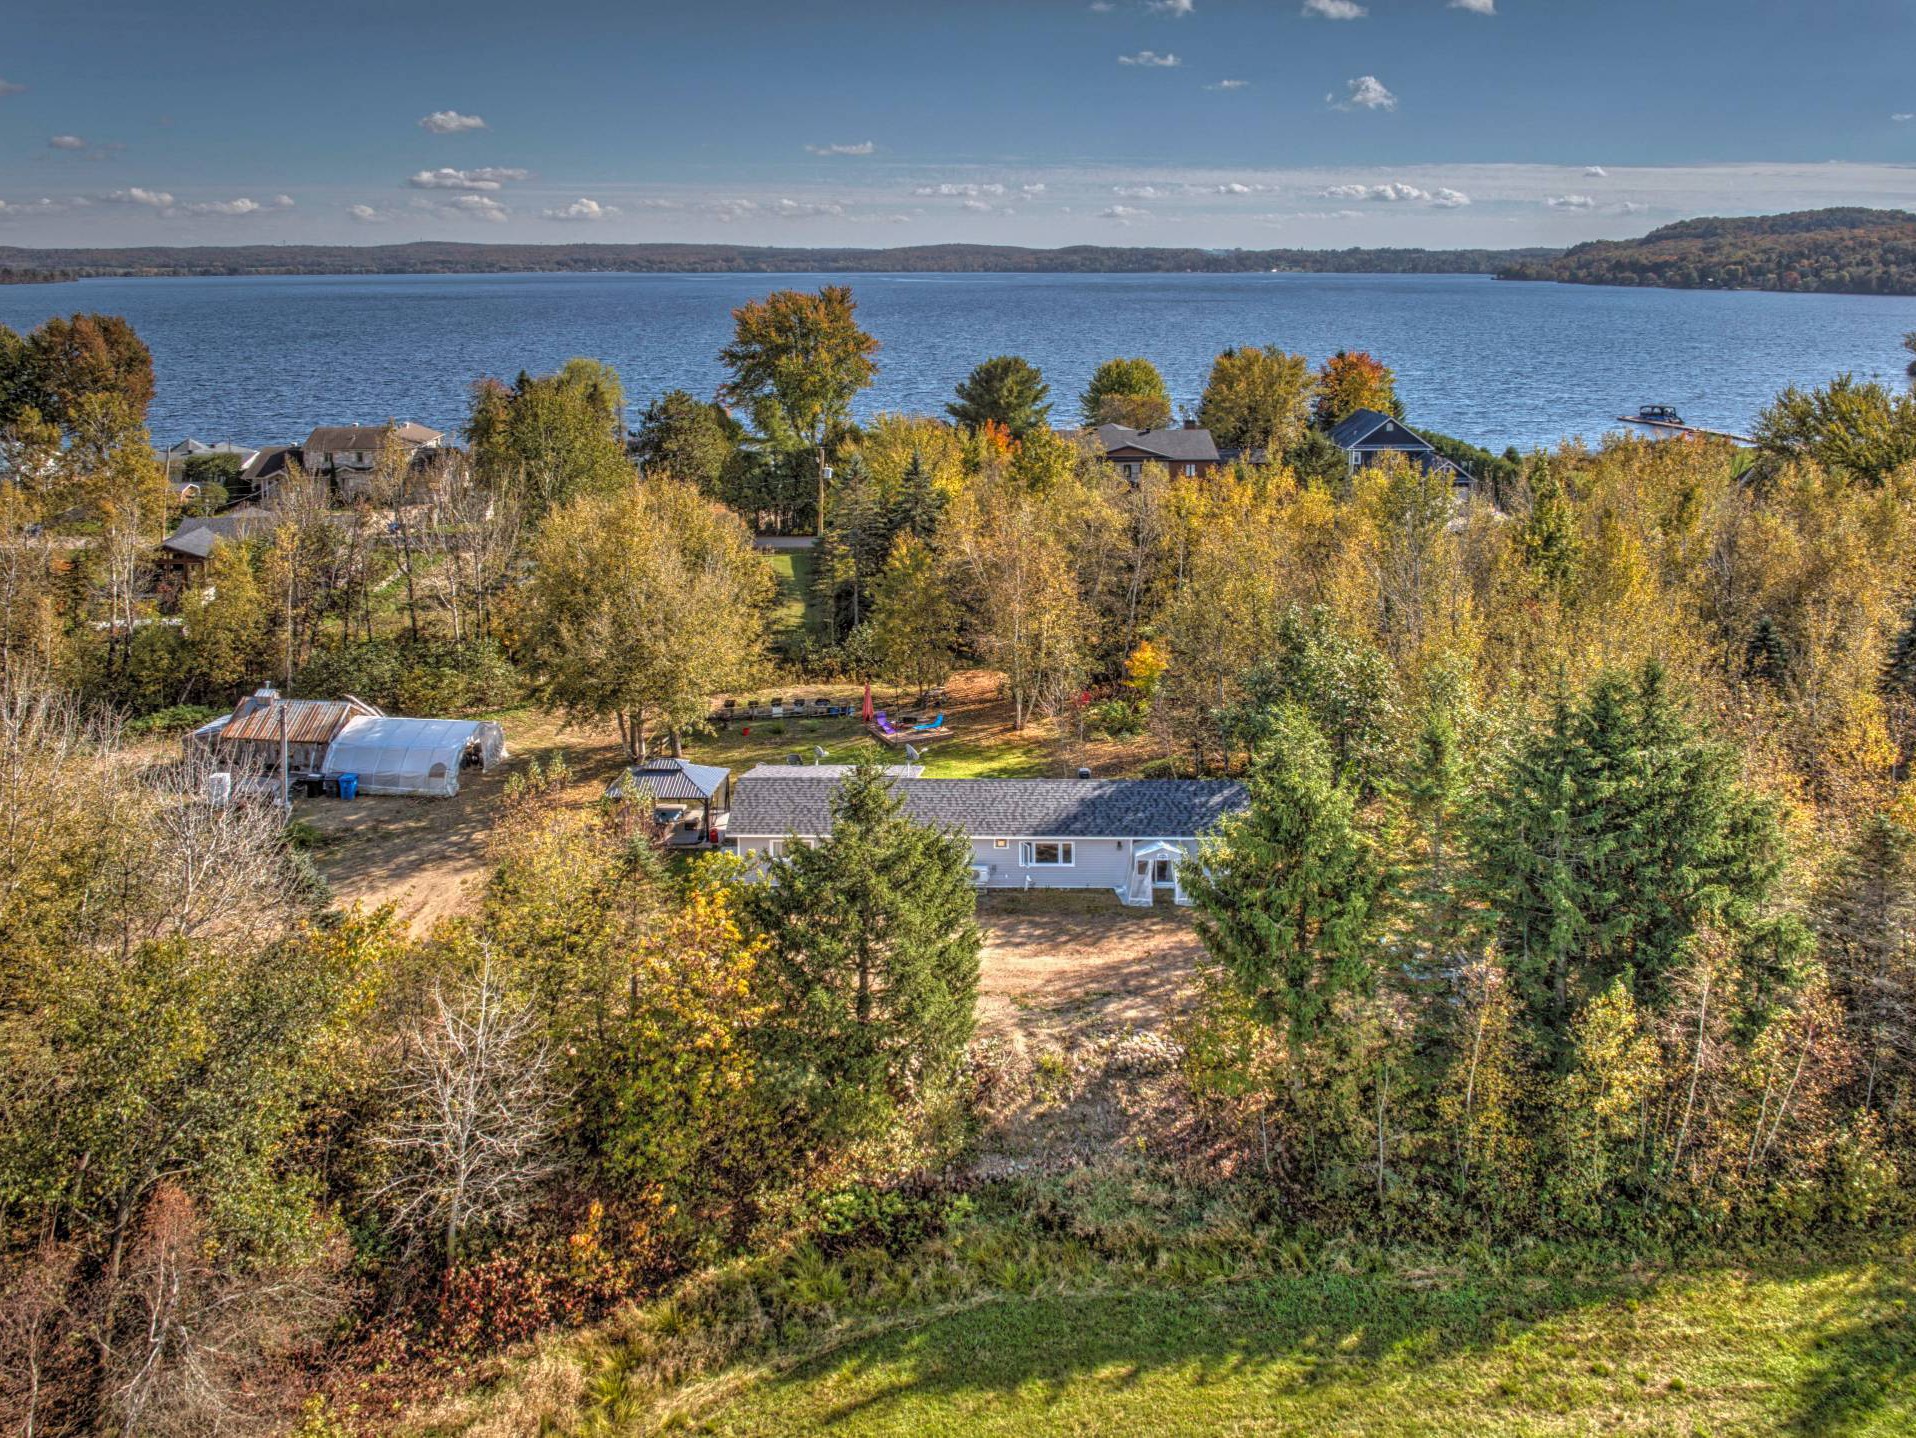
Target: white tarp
x=411, y=756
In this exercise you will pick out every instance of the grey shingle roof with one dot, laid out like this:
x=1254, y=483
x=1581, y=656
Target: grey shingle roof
x=1174, y=443
x=824, y=771
x=771, y=807
x=673, y=779
x=197, y=534
x=1357, y=426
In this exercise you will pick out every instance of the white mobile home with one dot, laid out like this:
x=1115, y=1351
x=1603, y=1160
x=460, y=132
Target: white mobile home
x=1127, y=836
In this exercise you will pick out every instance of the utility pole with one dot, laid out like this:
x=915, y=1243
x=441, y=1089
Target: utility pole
x=285, y=790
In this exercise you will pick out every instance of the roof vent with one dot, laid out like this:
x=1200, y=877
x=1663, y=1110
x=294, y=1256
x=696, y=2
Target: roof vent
x=266, y=691
x=1084, y=773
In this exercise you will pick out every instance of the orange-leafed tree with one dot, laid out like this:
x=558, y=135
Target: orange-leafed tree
x=1352, y=380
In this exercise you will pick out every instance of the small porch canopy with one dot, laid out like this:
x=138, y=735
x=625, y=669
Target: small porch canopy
x=1144, y=883
x=707, y=785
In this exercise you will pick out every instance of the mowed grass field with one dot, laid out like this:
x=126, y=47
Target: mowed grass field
x=1823, y=1350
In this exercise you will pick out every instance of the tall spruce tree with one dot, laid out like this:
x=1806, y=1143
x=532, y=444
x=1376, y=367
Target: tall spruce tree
x=1866, y=922
x=1616, y=833
x=1287, y=892
x=1005, y=390
x=873, y=968
x=918, y=504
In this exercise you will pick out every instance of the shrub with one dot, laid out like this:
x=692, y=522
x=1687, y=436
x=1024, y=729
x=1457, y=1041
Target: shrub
x=1118, y=718
x=896, y=1220
x=431, y=677
x=176, y=719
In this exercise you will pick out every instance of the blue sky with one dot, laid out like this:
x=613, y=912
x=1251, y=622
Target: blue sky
x=1188, y=122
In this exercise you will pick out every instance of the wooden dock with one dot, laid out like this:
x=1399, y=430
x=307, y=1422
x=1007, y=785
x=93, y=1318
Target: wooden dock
x=1671, y=427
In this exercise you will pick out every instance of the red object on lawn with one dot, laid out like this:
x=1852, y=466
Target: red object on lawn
x=865, y=709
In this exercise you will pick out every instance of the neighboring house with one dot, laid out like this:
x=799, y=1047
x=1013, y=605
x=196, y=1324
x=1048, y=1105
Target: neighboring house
x=266, y=470
x=184, y=552
x=1185, y=449
x=346, y=453
x=176, y=456
x=1125, y=835
x=1366, y=436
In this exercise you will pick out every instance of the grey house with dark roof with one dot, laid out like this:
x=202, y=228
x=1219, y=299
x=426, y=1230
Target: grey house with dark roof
x=1125, y=835
x=1366, y=436
x=1184, y=449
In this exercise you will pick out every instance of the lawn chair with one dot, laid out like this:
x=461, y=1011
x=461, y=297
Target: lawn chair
x=884, y=730
x=778, y=708
x=926, y=728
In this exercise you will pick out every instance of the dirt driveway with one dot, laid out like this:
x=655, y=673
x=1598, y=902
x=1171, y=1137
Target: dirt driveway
x=428, y=856
x=1078, y=999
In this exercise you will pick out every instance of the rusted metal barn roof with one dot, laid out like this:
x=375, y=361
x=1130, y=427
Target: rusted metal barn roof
x=308, y=721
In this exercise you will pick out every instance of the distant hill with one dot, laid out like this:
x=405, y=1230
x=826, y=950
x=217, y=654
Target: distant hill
x=1841, y=251
x=22, y=265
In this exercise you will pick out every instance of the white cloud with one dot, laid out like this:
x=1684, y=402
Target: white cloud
x=584, y=210
x=1149, y=58
x=1227, y=84
x=1448, y=199
x=1632, y=207
x=41, y=206
x=1138, y=192
x=1176, y=9
x=1391, y=192
x=1123, y=214
x=488, y=178
x=1037, y=189
x=1904, y=117
x=951, y=190
x=1237, y=187
x=805, y=209
x=863, y=147
x=1366, y=92
x=450, y=122
x=153, y=199
x=1334, y=9
x=65, y=142
x=1101, y=7
x=170, y=208
x=1329, y=215
x=1571, y=202
x=367, y=215
x=9, y=87
x=1475, y=7
x=1596, y=172
x=977, y=207
x=466, y=207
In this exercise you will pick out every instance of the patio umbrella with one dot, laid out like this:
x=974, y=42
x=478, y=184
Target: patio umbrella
x=865, y=710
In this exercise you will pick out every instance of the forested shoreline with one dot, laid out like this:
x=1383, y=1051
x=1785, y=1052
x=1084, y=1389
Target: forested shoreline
x=1838, y=251
x=448, y=257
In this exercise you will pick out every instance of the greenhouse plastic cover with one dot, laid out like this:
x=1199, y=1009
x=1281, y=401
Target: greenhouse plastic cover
x=411, y=756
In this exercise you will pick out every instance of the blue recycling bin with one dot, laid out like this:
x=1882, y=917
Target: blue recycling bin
x=348, y=785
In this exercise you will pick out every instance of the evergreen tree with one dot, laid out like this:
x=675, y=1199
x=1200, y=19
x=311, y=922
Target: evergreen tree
x=1899, y=674
x=918, y=504
x=1616, y=833
x=873, y=967
x=1005, y=390
x=1866, y=921
x=1766, y=657
x=1287, y=892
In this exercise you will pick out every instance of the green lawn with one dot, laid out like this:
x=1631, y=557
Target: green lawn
x=793, y=569
x=844, y=740
x=1827, y=1350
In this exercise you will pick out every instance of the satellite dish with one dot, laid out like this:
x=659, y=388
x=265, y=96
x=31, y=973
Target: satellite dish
x=819, y=755
x=911, y=754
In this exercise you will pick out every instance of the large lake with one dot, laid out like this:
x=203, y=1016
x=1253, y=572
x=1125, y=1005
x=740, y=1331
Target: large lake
x=265, y=359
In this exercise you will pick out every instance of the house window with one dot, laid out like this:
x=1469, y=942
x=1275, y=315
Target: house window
x=1048, y=854
x=775, y=848
x=1190, y=471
